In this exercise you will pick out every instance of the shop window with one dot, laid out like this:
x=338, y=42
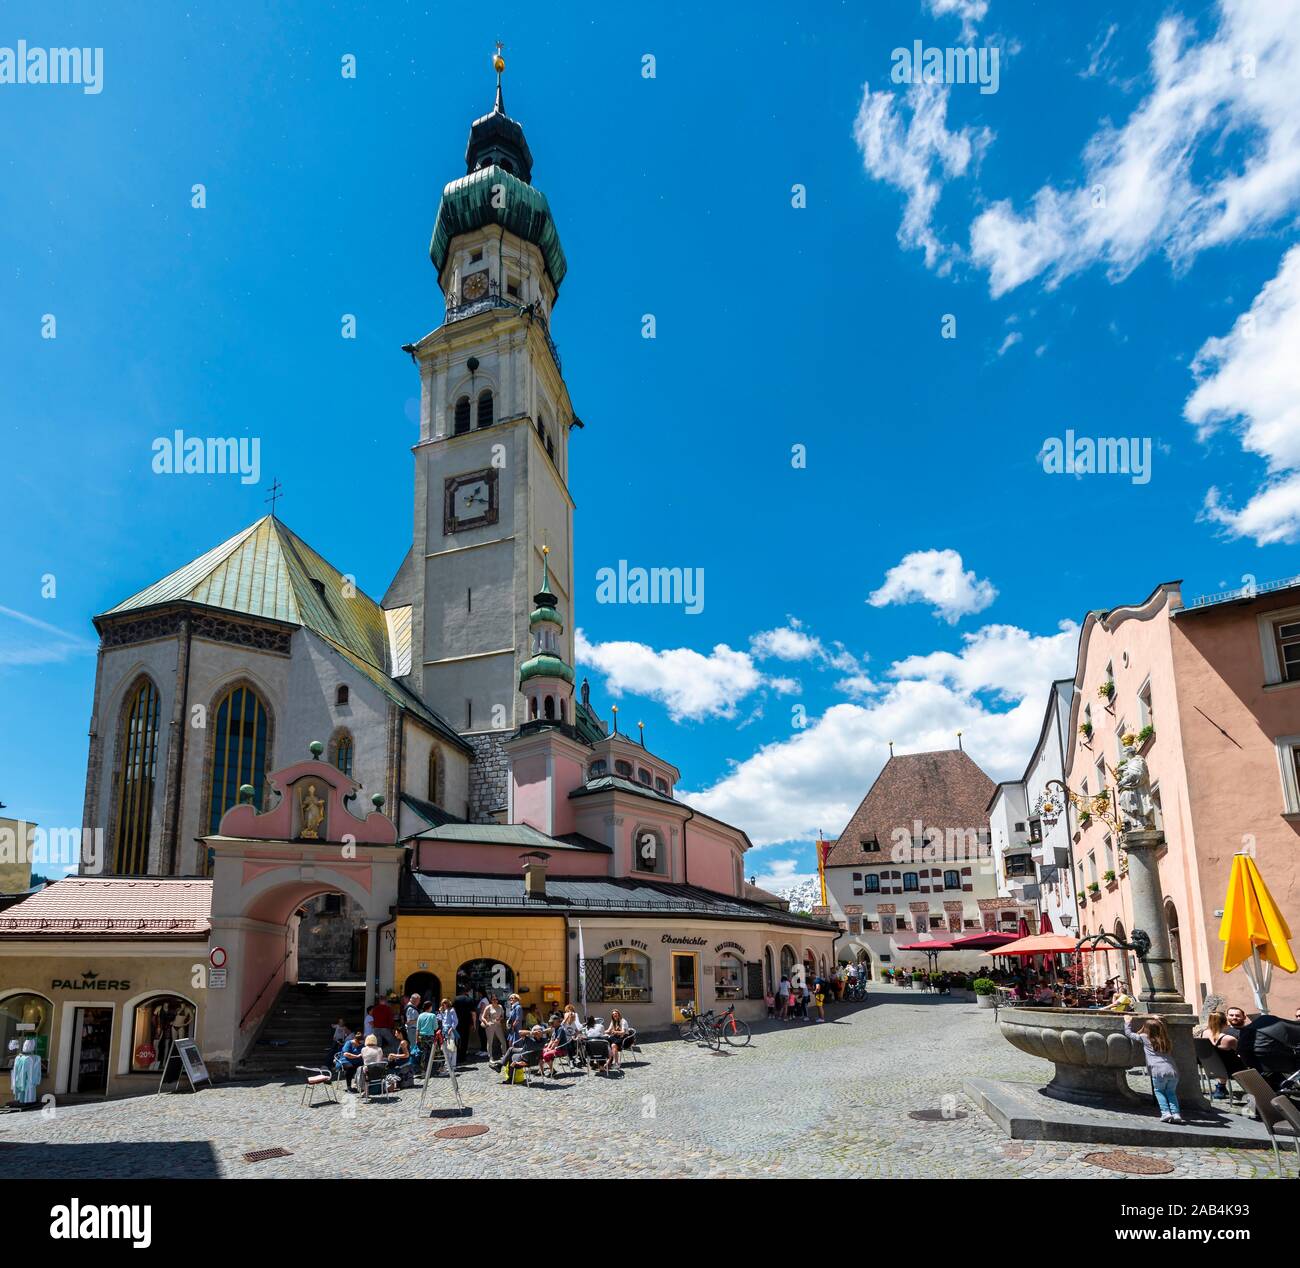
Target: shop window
x=137, y=766
x=627, y=976
x=788, y=961
x=157, y=1024
x=730, y=977
x=239, y=751
x=25, y=1017
x=648, y=851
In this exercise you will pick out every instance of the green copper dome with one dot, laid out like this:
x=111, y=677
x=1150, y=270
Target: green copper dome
x=544, y=666
x=540, y=616
x=467, y=204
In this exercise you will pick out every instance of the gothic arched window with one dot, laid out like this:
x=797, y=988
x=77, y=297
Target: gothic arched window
x=485, y=408
x=137, y=764
x=240, y=732
x=462, y=415
x=343, y=755
x=433, y=776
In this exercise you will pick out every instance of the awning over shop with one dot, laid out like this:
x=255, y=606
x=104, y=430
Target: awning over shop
x=934, y=944
x=983, y=942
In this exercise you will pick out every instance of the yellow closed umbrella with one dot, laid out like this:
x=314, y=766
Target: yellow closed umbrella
x=1253, y=931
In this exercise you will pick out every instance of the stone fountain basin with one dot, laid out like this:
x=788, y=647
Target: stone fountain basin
x=1089, y=1049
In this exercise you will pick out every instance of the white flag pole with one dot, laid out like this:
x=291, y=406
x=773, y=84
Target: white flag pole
x=582, y=977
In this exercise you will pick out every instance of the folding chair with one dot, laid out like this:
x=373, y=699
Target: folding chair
x=528, y=1062
x=318, y=1076
x=1276, y=1121
x=372, y=1079
x=1288, y=1109
x=1211, y=1064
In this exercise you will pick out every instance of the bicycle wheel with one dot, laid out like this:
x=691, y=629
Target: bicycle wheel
x=712, y=1036
x=686, y=1029
x=737, y=1033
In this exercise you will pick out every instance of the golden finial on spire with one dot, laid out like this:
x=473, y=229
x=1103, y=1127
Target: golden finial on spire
x=546, y=550
x=499, y=62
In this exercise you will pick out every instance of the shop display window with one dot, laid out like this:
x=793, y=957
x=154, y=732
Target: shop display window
x=730, y=977
x=25, y=1017
x=627, y=976
x=155, y=1026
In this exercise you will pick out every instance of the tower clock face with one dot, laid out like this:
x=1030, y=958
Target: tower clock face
x=470, y=500
x=474, y=287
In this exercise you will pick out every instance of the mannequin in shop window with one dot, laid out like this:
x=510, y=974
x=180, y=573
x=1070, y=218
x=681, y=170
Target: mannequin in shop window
x=25, y=1077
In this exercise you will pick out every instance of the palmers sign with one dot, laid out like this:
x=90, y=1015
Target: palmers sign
x=90, y=981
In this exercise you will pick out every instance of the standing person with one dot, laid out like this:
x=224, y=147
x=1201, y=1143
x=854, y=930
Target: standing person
x=1156, y=1047
x=381, y=1011
x=783, y=998
x=820, y=1000
x=368, y=1026
x=491, y=1021
x=449, y=1024
x=426, y=1028
x=479, y=1009
x=413, y=1020
x=514, y=1018
x=464, y=1006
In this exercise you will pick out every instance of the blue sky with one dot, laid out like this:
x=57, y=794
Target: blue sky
x=920, y=574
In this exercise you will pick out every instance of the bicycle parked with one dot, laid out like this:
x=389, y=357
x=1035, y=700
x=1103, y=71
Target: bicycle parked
x=712, y=1029
x=697, y=1028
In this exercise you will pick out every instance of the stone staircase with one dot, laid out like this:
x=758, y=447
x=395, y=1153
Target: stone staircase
x=296, y=1031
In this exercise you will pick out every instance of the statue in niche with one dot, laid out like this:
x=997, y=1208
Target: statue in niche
x=312, y=811
x=1136, y=807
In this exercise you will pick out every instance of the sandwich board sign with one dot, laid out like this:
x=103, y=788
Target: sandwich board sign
x=451, y=1070
x=185, y=1058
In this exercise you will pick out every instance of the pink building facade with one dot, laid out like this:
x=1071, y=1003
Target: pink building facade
x=1214, y=691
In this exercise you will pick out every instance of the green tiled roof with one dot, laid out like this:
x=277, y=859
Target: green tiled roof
x=268, y=571
x=467, y=204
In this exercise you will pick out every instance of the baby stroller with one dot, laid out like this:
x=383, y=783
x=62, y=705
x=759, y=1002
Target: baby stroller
x=597, y=1053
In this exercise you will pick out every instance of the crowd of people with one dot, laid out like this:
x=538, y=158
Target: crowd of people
x=399, y=1034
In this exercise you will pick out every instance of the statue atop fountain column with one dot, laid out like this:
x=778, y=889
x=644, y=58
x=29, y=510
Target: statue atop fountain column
x=1136, y=807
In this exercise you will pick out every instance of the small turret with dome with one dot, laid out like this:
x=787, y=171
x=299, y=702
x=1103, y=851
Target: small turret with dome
x=544, y=678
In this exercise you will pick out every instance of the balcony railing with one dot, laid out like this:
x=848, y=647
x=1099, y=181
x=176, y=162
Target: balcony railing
x=460, y=312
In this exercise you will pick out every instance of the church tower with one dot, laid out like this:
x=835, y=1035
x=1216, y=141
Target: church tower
x=492, y=460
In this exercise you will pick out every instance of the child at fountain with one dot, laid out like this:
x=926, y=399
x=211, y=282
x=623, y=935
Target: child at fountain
x=1153, y=1035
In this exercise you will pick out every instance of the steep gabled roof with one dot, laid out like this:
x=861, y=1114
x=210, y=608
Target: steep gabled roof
x=266, y=570
x=943, y=790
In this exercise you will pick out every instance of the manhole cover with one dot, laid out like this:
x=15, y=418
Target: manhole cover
x=461, y=1131
x=1129, y=1164
x=261, y=1155
x=936, y=1115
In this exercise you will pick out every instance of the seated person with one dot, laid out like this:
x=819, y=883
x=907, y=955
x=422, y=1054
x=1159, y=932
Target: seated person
x=372, y=1056
x=1270, y=1045
x=619, y=1035
x=1120, y=1002
x=348, y=1061
x=526, y=1050
x=401, y=1055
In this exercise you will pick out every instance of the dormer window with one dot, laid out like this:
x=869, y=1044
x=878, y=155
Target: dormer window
x=597, y=769
x=643, y=775
x=661, y=785
x=624, y=769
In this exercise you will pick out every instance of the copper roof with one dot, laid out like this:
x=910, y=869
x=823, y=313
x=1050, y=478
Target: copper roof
x=146, y=907
x=942, y=790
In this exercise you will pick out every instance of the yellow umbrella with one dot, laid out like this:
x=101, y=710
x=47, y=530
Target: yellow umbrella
x=1253, y=931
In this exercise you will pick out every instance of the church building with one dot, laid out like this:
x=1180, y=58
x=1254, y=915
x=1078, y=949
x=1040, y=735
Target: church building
x=248, y=704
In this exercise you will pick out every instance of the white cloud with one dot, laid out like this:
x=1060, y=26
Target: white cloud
x=1252, y=374
x=1161, y=182
x=905, y=142
x=688, y=683
x=858, y=686
x=792, y=641
x=814, y=780
x=25, y=640
x=971, y=12
x=782, y=874
x=1010, y=341
x=935, y=577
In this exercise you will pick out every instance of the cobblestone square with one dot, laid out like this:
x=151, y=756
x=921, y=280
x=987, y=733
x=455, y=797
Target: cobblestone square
x=804, y=1100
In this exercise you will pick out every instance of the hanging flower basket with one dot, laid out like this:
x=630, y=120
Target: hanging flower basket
x=1106, y=690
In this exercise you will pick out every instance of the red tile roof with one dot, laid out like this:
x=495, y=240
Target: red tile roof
x=113, y=906
x=943, y=790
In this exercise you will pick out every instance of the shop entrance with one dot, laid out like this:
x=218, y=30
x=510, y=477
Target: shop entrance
x=426, y=986
x=92, y=1030
x=684, y=983
x=485, y=977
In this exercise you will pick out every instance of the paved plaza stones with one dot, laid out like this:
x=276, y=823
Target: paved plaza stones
x=805, y=1100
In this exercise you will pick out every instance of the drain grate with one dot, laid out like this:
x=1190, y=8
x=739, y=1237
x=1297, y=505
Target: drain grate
x=1129, y=1164
x=936, y=1116
x=261, y=1155
x=461, y=1131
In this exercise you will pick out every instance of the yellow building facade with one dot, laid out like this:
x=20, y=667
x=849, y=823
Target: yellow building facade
x=524, y=954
